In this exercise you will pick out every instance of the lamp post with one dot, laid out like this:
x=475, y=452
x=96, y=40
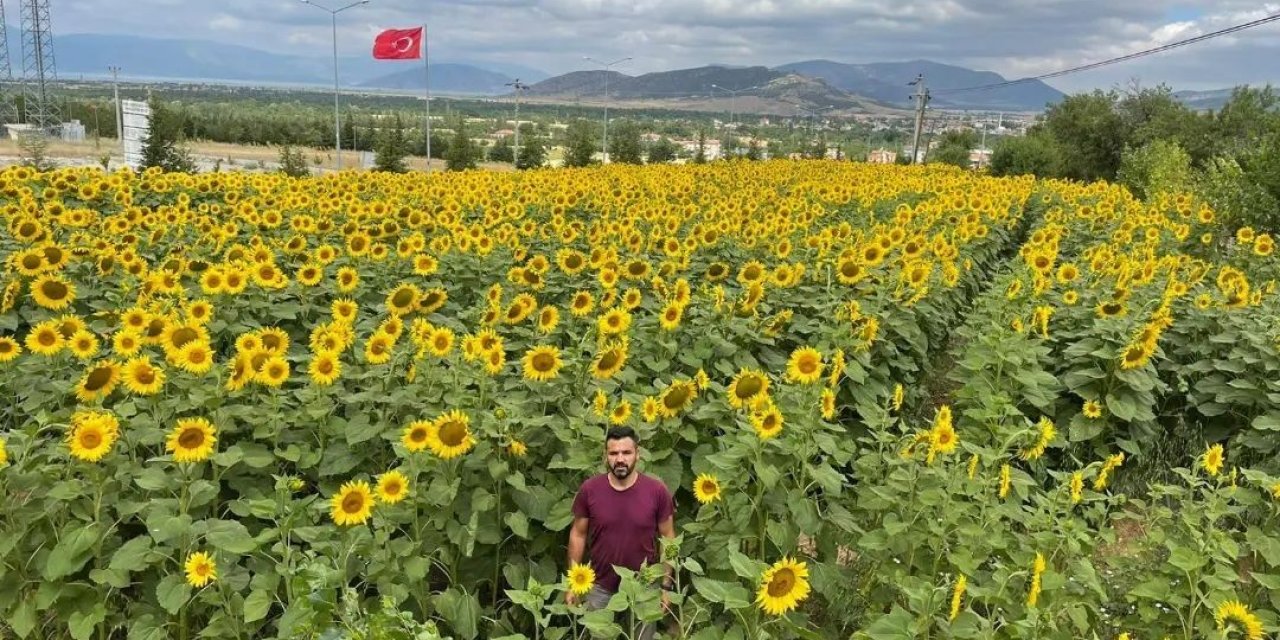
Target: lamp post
x=607, y=67
x=733, y=100
x=337, y=126
x=515, y=153
x=115, y=87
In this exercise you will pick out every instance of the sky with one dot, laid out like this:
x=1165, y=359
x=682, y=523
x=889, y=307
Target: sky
x=1015, y=38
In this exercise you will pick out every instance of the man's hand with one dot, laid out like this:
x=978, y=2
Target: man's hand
x=666, y=602
x=571, y=598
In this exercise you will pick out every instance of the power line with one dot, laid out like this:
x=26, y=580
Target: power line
x=1124, y=58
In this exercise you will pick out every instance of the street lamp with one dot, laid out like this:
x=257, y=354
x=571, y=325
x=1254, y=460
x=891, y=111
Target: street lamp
x=606, y=99
x=337, y=126
x=518, y=86
x=733, y=100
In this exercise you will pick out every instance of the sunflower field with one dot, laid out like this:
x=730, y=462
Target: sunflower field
x=890, y=402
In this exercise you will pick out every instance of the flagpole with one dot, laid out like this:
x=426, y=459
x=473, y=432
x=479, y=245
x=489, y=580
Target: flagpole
x=426, y=68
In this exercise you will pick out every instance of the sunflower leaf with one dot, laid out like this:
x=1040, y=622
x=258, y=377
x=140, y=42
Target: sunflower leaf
x=172, y=593
x=229, y=536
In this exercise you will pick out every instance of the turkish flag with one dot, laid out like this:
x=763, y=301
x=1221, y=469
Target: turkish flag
x=398, y=44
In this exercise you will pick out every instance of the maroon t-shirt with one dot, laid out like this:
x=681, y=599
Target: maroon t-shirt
x=624, y=524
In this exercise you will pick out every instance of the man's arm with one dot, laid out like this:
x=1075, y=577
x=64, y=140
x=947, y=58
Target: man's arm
x=577, y=547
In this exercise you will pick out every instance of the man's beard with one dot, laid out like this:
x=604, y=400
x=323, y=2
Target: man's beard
x=620, y=470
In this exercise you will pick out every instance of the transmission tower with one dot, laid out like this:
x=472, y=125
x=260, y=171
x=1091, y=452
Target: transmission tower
x=8, y=110
x=38, y=68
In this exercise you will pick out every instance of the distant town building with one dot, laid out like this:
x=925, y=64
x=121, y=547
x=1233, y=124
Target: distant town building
x=979, y=158
x=882, y=156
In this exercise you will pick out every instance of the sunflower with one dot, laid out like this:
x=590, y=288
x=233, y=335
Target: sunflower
x=53, y=292
x=749, y=387
x=440, y=342
x=548, y=318
x=1110, y=309
x=805, y=365
x=378, y=349
x=768, y=422
x=196, y=357
x=609, y=362
x=324, y=368
x=348, y=279
x=98, y=382
x=1045, y=436
x=1077, y=487
x=201, y=569
x=783, y=586
x=143, y=378
x=4, y=454
x=828, y=404
x=517, y=449
x=706, y=488
x=1136, y=355
x=344, y=310
x=274, y=340
x=403, y=300
x=274, y=372
x=542, y=363
x=620, y=413
x=671, y=316
x=1213, y=459
x=580, y=578
x=241, y=372
x=582, y=304
x=1037, y=570
x=191, y=440
x=614, y=322
x=92, y=434
x=451, y=435
x=1233, y=615
x=494, y=360
x=352, y=504
x=9, y=349
x=417, y=435
x=393, y=486
x=1092, y=409
x=677, y=398
x=83, y=344
x=45, y=339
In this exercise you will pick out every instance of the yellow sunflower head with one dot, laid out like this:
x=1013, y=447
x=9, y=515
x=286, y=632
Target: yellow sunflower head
x=192, y=440
x=783, y=586
x=352, y=504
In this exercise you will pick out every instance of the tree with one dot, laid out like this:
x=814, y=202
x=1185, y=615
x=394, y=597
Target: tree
x=533, y=153
x=392, y=149
x=1236, y=196
x=754, y=151
x=1090, y=135
x=701, y=156
x=624, y=144
x=461, y=154
x=349, y=131
x=34, y=146
x=502, y=151
x=580, y=144
x=664, y=150
x=953, y=148
x=293, y=162
x=1035, y=154
x=161, y=147
x=1160, y=166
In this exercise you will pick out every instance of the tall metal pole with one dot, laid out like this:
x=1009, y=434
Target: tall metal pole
x=607, y=68
x=426, y=67
x=115, y=86
x=518, y=86
x=922, y=98
x=337, y=121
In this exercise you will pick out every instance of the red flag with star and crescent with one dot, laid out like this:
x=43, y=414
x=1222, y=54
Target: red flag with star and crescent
x=398, y=44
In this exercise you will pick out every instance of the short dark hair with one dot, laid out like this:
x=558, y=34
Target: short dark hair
x=621, y=433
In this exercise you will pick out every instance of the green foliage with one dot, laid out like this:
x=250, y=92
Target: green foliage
x=392, y=148
x=293, y=162
x=1090, y=135
x=502, y=151
x=1160, y=166
x=624, y=143
x=953, y=148
x=161, y=147
x=700, y=157
x=580, y=143
x=664, y=150
x=33, y=149
x=461, y=154
x=1034, y=154
x=533, y=153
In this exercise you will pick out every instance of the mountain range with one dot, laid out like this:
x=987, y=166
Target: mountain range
x=816, y=84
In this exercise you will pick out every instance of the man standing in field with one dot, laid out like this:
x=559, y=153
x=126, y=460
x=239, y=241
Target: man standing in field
x=624, y=511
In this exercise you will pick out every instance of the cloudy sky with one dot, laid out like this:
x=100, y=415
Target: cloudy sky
x=1015, y=39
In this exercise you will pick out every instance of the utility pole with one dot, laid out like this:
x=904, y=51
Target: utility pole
x=607, y=68
x=922, y=99
x=337, y=122
x=518, y=86
x=115, y=87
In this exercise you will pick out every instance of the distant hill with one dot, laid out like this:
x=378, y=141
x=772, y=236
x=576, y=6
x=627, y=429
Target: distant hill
x=751, y=89
x=1213, y=99
x=459, y=78
x=145, y=57
x=887, y=82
